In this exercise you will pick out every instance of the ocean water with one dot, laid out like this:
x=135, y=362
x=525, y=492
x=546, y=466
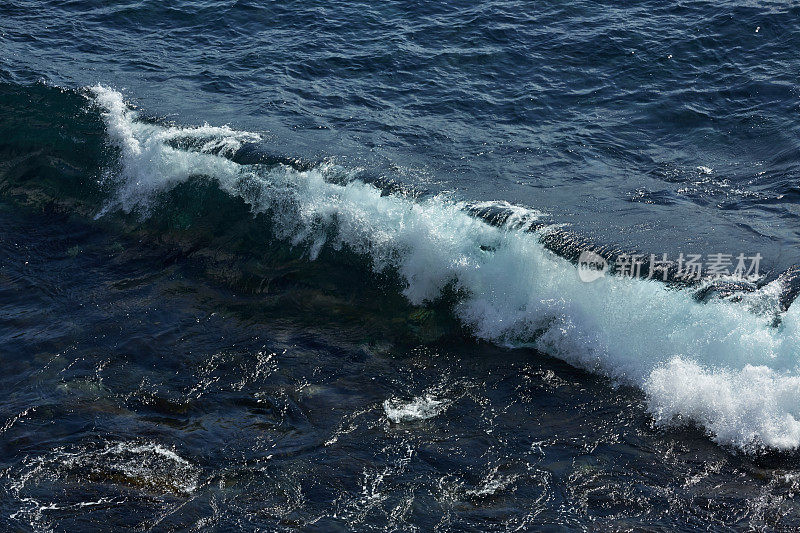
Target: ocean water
x=314, y=265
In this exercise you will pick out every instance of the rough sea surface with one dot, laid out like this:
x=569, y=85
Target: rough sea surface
x=310, y=265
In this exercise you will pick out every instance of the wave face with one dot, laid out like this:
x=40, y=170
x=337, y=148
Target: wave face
x=721, y=364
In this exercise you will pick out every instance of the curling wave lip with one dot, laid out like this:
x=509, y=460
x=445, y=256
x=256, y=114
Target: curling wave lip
x=718, y=363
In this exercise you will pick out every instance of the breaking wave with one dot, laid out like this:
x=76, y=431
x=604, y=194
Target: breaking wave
x=726, y=365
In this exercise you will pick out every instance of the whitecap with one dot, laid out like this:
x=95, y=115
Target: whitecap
x=718, y=363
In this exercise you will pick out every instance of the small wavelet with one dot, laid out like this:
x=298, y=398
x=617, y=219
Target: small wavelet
x=492, y=484
x=146, y=468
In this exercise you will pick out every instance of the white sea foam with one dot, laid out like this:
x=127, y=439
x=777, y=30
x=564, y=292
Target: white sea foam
x=420, y=408
x=720, y=364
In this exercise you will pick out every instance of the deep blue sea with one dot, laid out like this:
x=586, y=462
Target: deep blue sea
x=322, y=266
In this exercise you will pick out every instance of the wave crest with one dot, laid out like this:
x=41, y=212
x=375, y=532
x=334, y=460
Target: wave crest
x=716, y=362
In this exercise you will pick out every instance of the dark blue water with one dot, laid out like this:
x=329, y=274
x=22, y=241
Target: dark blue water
x=268, y=266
